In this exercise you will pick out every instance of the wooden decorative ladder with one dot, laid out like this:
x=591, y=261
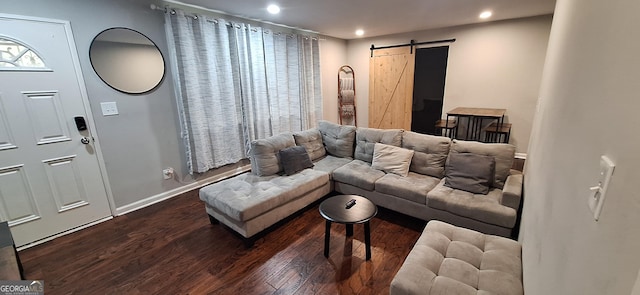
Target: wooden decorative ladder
x=347, y=96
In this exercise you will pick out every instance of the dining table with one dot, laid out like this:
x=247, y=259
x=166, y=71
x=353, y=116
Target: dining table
x=475, y=118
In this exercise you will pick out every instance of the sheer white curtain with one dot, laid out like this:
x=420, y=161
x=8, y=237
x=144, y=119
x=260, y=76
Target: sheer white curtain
x=236, y=83
x=311, y=88
x=253, y=81
x=208, y=91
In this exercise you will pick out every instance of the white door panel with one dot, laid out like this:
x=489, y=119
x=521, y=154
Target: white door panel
x=14, y=182
x=66, y=183
x=47, y=116
x=50, y=181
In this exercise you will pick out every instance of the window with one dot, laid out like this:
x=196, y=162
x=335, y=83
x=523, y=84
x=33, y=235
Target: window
x=16, y=56
x=237, y=83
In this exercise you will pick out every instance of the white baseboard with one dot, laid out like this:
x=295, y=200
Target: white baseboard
x=178, y=191
x=522, y=156
x=146, y=202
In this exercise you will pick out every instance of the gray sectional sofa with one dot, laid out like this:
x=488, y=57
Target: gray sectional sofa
x=351, y=160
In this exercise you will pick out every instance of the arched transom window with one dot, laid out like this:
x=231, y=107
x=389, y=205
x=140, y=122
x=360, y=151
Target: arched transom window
x=17, y=56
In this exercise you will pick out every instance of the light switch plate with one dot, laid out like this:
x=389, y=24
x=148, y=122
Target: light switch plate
x=606, y=171
x=599, y=192
x=109, y=108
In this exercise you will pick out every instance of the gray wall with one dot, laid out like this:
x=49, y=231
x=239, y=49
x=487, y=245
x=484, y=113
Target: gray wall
x=333, y=55
x=588, y=107
x=494, y=64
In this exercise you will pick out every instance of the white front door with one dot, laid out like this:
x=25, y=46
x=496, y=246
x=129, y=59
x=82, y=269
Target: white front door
x=50, y=178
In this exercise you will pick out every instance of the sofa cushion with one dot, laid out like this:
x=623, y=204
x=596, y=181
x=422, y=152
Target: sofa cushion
x=391, y=159
x=311, y=140
x=470, y=172
x=366, y=138
x=330, y=163
x=337, y=139
x=503, y=154
x=358, y=173
x=413, y=187
x=294, y=159
x=264, y=153
x=452, y=260
x=430, y=152
x=486, y=208
x=246, y=196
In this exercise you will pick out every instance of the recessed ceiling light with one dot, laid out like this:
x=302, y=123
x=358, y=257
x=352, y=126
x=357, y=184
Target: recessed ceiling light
x=359, y=32
x=273, y=9
x=486, y=14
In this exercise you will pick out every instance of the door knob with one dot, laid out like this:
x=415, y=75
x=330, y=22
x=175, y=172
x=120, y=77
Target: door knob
x=85, y=140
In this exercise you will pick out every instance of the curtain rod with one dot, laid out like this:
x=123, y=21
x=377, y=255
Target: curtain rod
x=412, y=44
x=172, y=11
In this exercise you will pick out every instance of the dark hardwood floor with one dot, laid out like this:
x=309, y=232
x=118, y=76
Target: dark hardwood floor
x=171, y=248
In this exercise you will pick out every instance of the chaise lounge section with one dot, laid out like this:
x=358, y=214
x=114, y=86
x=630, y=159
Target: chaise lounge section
x=251, y=202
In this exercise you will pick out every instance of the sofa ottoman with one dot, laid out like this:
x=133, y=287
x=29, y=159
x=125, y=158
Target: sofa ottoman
x=453, y=260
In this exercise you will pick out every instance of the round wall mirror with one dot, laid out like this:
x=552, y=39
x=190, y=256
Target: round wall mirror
x=127, y=60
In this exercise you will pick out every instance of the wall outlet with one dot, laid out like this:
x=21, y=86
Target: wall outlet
x=109, y=108
x=167, y=173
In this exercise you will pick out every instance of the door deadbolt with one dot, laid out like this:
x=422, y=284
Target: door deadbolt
x=85, y=140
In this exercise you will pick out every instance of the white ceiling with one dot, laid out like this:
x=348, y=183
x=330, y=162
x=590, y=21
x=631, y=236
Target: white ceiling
x=340, y=18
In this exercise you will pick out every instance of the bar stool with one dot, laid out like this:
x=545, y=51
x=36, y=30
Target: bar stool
x=448, y=126
x=496, y=131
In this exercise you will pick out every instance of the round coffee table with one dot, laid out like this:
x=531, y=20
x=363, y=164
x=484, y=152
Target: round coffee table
x=335, y=209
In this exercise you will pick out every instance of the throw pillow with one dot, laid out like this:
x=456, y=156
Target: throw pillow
x=470, y=172
x=391, y=159
x=294, y=159
x=503, y=154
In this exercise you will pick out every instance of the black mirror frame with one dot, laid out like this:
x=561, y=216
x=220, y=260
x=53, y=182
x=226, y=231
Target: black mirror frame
x=164, y=64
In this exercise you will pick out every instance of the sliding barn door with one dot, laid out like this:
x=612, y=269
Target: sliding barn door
x=391, y=88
